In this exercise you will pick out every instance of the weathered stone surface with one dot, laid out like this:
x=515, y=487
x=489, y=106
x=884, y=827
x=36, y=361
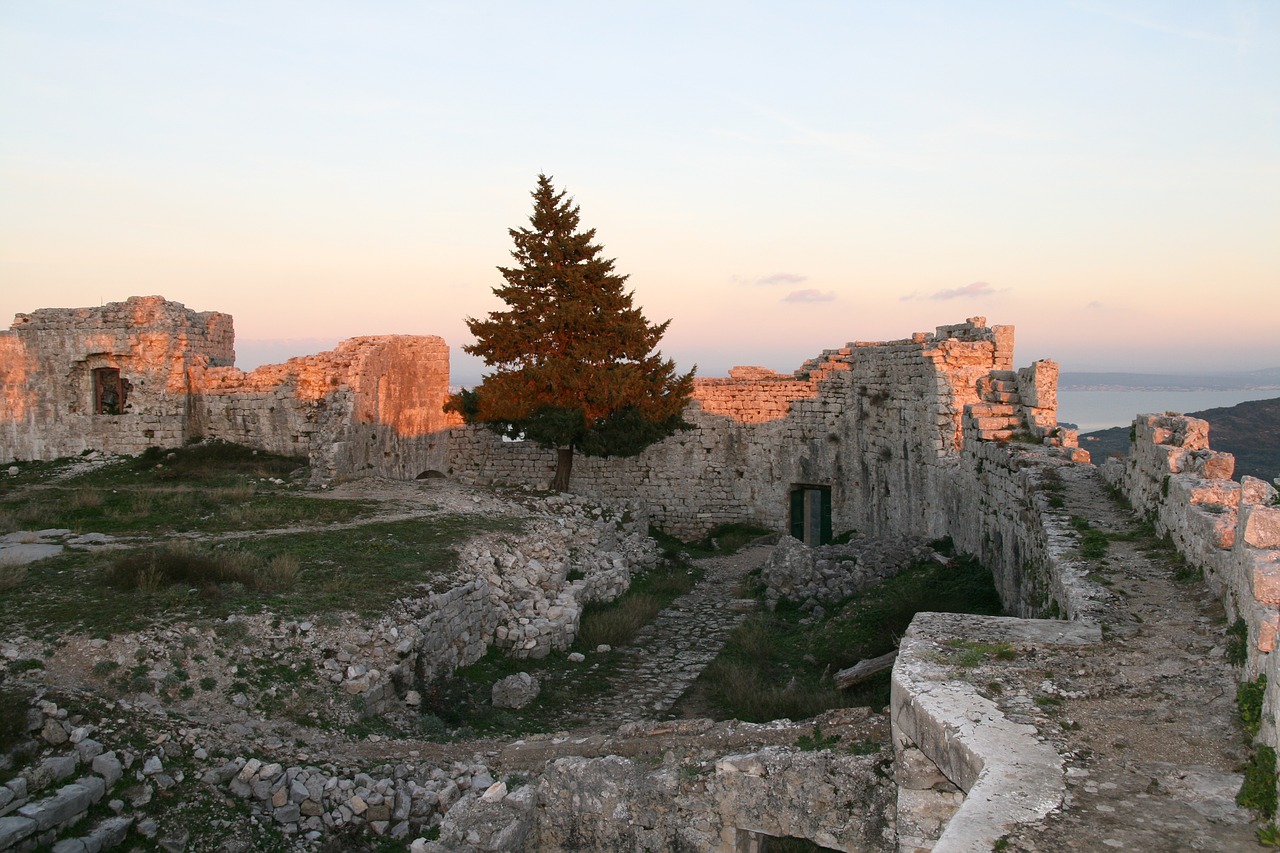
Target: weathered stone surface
x=515, y=690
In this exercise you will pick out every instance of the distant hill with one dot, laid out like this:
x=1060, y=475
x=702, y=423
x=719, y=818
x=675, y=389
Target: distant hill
x=1249, y=430
x=1246, y=380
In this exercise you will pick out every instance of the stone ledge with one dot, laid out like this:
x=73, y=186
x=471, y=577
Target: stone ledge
x=1009, y=776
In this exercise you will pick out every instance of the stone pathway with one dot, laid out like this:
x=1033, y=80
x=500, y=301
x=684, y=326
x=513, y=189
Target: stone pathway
x=668, y=654
x=1147, y=718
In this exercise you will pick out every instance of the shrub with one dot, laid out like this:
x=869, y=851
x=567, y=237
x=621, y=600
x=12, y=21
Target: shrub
x=1249, y=696
x=1259, y=789
x=150, y=570
x=11, y=577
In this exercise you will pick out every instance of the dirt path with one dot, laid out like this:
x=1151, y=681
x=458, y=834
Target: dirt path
x=1148, y=717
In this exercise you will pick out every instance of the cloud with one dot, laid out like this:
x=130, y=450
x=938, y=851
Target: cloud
x=1095, y=305
x=775, y=279
x=810, y=295
x=977, y=288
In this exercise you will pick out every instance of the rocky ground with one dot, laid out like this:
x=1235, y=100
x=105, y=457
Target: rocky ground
x=1147, y=719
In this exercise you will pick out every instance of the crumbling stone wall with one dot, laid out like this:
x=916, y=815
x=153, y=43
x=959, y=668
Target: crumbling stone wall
x=374, y=405
x=880, y=424
x=1229, y=529
x=47, y=359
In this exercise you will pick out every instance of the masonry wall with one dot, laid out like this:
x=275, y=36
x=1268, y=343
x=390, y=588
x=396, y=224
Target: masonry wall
x=47, y=359
x=373, y=405
x=1229, y=529
x=878, y=423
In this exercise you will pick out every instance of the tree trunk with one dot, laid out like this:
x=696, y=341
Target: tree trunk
x=564, y=464
x=862, y=670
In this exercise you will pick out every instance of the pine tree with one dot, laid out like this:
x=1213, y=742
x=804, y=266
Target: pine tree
x=575, y=365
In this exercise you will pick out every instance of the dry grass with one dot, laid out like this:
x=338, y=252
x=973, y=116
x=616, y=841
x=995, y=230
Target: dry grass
x=11, y=577
x=150, y=571
x=617, y=623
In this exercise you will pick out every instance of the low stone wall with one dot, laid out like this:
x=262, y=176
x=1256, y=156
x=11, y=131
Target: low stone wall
x=828, y=573
x=1005, y=771
x=1228, y=529
x=511, y=591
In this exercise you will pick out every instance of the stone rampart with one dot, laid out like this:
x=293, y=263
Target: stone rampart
x=879, y=425
x=1230, y=530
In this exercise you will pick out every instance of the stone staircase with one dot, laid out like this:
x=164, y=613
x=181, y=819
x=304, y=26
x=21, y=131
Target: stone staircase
x=38, y=810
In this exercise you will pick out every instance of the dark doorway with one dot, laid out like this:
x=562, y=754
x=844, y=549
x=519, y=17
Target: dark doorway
x=108, y=391
x=811, y=514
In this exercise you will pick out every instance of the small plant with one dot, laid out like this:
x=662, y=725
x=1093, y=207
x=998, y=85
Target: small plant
x=817, y=741
x=1001, y=843
x=25, y=665
x=1268, y=835
x=1249, y=696
x=1238, y=643
x=208, y=683
x=104, y=668
x=574, y=575
x=1259, y=789
x=973, y=653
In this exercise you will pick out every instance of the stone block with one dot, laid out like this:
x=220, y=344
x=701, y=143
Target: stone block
x=1261, y=526
x=1263, y=569
x=14, y=829
x=56, y=810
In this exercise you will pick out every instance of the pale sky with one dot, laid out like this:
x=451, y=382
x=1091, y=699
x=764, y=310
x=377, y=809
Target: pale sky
x=777, y=178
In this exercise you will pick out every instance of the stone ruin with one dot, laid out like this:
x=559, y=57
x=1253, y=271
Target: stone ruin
x=936, y=435
x=148, y=372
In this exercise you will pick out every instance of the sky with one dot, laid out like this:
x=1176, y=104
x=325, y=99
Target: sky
x=776, y=178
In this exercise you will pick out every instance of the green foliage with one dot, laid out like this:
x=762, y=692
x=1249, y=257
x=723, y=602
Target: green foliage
x=972, y=653
x=817, y=741
x=774, y=662
x=1093, y=543
x=306, y=574
x=1249, y=696
x=574, y=364
x=1259, y=789
x=1268, y=835
x=1238, y=643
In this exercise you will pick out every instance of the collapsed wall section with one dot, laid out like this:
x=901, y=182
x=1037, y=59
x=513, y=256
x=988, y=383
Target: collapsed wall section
x=373, y=405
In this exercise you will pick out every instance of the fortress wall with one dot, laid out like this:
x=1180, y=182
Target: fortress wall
x=373, y=405
x=47, y=382
x=1229, y=529
x=879, y=424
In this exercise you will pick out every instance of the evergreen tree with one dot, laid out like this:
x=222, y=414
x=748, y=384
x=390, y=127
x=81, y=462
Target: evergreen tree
x=575, y=366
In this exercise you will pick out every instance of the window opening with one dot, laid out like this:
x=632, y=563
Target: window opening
x=108, y=391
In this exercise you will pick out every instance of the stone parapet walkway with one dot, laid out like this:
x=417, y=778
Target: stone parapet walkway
x=1145, y=719
x=668, y=654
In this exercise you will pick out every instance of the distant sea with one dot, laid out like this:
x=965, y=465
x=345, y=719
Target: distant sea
x=1094, y=410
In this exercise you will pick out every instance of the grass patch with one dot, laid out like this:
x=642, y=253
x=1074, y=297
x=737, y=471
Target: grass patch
x=296, y=575
x=971, y=653
x=779, y=663
x=1093, y=543
x=617, y=622
x=722, y=540
x=208, y=487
